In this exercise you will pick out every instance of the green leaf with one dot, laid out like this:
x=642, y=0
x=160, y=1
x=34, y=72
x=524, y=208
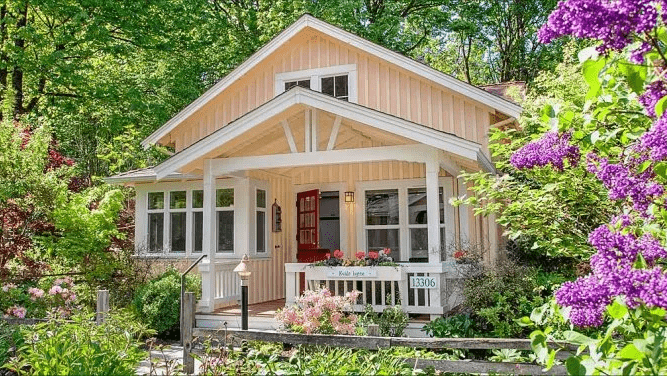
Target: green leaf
x=660, y=169
x=640, y=262
x=660, y=106
x=574, y=367
x=577, y=338
x=595, y=136
x=635, y=75
x=617, y=310
x=630, y=352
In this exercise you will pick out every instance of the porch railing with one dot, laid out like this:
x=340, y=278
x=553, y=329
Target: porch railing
x=220, y=285
x=388, y=286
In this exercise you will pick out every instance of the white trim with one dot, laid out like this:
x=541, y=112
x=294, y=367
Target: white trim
x=404, y=62
x=307, y=128
x=407, y=153
x=289, y=136
x=334, y=132
x=268, y=242
x=298, y=95
x=316, y=75
x=313, y=129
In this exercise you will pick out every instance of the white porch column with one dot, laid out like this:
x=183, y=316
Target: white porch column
x=207, y=266
x=433, y=208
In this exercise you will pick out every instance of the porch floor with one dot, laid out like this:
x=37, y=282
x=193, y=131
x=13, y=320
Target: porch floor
x=265, y=309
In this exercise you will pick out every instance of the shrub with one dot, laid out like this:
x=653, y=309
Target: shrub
x=457, y=326
x=157, y=302
x=391, y=323
x=10, y=337
x=320, y=312
x=500, y=295
x=80, y=347
x=36, y=300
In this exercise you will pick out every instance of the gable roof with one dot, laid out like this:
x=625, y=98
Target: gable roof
x=454, y=84
x=301, y=96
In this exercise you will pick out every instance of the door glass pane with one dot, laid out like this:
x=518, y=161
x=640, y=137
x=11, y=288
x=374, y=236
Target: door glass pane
x=443, y=245
x=419, y=244
x=177, y=200
x=378, y=239
x=178, y=232
x=155, y=200
x=328, y=86
x=197, y=199
x=224, y=197
x=225, y=231
x=155, y=232
x=442, y=206
x=261, y=232
x=382, y=207
x=417, y=214
x=198, y=229
x=261, y=198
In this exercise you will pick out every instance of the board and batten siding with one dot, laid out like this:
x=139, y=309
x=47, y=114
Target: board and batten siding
x=380, y=85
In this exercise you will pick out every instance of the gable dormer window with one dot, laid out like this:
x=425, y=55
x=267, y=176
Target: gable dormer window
x=336, y=86
x=339, y=81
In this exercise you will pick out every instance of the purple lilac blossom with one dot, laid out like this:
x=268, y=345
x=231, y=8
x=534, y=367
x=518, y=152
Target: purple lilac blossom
x=652, y=94
x=624, y=184
x=614, y=275
x=552, y=149
x=655, y=140
x=613, y=22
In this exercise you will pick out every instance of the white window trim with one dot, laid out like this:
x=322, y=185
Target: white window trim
x=268, y=241
x=315, y=75
x=142, y=211
x=404, y=228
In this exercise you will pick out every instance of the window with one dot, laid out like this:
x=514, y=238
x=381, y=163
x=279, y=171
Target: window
x=155, y=222
x=302, y=83
x=339, y=81
x=177, y=221
x=397, y=218
x=224, y=202
x=382, y=221
x=336, y=86
x=197, y=220
x=260, y=222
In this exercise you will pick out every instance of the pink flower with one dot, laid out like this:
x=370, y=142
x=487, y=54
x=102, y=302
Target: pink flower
x=55, y=290
x=373, y=255
x=386, y=251
x=17, y=311
x=328, y=256
x=8, y=286
x=338, y=254
x=360, y=255
x=35, y=293
x=459, y=254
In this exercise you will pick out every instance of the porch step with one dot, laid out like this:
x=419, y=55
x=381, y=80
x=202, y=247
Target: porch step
x=216, y=321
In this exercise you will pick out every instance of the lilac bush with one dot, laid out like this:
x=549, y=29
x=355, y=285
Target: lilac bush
x=551, y=149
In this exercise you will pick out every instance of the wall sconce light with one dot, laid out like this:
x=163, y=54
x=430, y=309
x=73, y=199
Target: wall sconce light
x=349, y=197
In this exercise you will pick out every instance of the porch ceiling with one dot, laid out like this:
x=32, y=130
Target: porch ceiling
x=301, y=119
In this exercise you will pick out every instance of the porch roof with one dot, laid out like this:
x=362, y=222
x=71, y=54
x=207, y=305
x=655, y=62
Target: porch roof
x=208, y=147
x=145, y=175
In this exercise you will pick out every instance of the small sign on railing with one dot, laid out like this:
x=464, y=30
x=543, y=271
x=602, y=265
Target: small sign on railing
x=421, y=282
x=348, y=272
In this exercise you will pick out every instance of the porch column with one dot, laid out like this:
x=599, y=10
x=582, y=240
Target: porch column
x=207, y=266
x=433, y=208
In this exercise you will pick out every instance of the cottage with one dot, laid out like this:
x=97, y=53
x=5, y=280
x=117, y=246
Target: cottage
x=321, y=140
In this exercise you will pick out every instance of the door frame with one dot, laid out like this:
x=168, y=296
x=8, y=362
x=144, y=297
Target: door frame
x=345, y=213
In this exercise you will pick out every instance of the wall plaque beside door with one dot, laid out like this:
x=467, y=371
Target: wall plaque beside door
x=277, y=215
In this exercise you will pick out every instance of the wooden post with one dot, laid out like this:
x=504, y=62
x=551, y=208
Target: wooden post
x=373, y=330
x=102, y=305
x=188, y=319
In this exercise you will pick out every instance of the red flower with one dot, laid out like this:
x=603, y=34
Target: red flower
x=459, y=254
x=386, y=251
x=373, y=255
x=328, y=256
x=338, y=254
x=360, y=255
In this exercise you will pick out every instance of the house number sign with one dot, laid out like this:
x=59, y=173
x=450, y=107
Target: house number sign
x=421, y=282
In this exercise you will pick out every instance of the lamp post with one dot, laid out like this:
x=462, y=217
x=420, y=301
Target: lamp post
x=244, y=274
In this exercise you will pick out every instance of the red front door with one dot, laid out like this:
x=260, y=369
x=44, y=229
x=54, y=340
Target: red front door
x=308, y=230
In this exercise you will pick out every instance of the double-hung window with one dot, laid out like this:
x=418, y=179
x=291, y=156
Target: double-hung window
x=155, y=222
x=260, y=222
x=197, y=220
x=382, y=221
x=224, y=207
x=418, y=222
x=177, y=221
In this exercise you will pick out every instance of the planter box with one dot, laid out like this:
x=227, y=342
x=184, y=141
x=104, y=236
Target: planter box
x=357, y=273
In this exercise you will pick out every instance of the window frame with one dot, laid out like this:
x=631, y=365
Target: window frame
x=315, y=76
x=169, y=211
x=403, y=226
x=256, y=185
x=165, y=222
x=218, y=209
